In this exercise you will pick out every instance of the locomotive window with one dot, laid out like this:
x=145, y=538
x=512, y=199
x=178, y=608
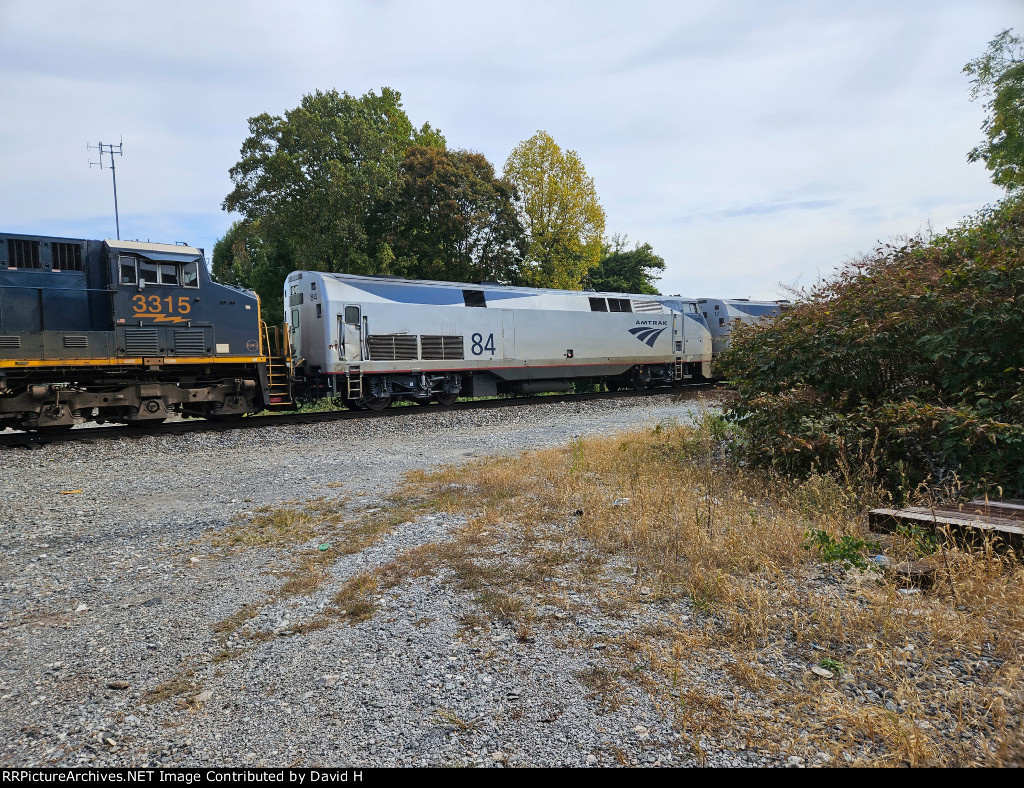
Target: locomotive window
x=190, y=274
x=319, y=311
x=619, y=305
x=598, y=305
x=66, y=257
x=352, y=315
x=129, y=275
x=474, y=297
x=168, y=274
x=295, y=318
x=721, y=321
x=148, y=272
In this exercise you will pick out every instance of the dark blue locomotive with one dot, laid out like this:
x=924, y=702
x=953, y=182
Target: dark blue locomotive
x=129, y=332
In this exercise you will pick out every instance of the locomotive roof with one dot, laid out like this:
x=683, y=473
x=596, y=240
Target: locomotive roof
x=150, y=249
x=398, y=280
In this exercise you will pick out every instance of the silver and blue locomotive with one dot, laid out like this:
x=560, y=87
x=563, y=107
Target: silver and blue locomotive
x=370, y=340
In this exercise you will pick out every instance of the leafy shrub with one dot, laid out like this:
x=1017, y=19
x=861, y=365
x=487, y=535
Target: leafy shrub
x=847, y=550
x=905, y=368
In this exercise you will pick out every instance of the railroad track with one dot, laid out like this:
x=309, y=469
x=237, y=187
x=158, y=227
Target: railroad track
x=28, y=440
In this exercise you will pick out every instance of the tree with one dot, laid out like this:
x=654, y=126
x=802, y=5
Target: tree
x=455, y=220
x=622, y=271
x=998, y=75
x=559, y=209
x=244, y=259
x=316, y=186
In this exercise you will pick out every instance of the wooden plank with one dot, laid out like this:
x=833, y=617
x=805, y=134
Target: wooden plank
x=888, y=520
x=1001, y=508
x=957, y=517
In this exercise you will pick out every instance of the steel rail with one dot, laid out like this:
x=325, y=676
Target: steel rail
x=28, y=440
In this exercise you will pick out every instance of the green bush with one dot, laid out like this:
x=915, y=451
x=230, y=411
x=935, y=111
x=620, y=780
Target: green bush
x=906, y=368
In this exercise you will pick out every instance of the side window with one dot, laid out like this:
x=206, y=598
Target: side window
x=721, y=321
x=129, y=275
x=148, y=272
x=295, y=318
x=598, y=305
x=190, y=274
x=319, y=311
x=352, y=315
x=474, y=298
x=169, y=274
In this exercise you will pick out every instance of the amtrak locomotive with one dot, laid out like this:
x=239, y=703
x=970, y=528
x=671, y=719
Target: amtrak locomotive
x=372, y=340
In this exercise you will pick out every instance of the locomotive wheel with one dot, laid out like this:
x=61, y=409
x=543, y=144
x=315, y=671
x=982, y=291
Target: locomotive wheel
x=446, y=399
x=375, y=403
x=639, y=382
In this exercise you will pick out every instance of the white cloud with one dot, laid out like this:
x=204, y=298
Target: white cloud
x=750, y=143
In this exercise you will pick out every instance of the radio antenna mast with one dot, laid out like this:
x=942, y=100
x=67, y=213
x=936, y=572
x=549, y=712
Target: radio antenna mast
x=111, y=150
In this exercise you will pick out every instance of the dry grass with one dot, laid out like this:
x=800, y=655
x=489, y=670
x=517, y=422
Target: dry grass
x=730, y=546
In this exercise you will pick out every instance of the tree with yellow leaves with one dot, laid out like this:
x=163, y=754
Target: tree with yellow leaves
x=559, y=209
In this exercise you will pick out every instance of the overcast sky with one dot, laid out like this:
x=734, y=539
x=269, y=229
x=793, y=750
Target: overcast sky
x=751, y=143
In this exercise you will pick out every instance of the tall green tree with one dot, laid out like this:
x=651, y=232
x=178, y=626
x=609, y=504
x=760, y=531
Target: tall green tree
x=243, y=258
x=455, y=220
x=997, y=77
x=623, y=270
x=316, y=187
x=558, y=206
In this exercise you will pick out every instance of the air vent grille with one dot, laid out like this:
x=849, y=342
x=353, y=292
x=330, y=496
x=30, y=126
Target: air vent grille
x=76, y=341
x=442, y=347
x=141, y=342
x=392, y=347
x=67, y=257
x=10, y=342
x=189, y=342
x=646, y=306
x=22, y=254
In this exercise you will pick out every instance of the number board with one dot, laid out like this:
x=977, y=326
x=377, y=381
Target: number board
x=161, y=309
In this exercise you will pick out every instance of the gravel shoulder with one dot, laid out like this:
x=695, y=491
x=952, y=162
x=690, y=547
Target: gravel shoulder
x=110, y=594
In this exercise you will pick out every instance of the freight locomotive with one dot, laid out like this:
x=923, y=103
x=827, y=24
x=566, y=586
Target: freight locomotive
x=128, y=332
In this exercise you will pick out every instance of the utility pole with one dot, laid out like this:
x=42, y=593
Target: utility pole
x=111, y=150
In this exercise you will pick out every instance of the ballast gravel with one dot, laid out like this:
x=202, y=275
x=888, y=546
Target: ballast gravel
x=109, y=591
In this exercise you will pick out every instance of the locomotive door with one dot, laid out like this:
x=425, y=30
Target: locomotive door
x=350, y=333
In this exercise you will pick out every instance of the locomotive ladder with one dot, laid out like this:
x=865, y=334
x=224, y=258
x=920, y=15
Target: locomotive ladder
x=679, y=369
x=354, y=383
x=279, y=390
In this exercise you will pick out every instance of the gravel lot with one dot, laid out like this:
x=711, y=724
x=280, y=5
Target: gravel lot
x=107, y=591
